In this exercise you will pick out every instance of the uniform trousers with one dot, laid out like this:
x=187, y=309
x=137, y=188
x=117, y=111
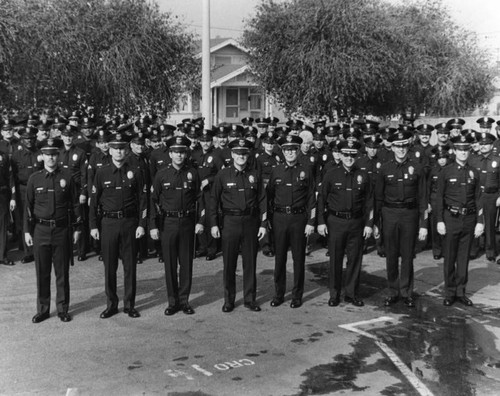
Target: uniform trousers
x=118, y=241
x=4, y=222
x=84, y=242
x=436, y=238
x=456, y=247
x=240, y=231
x=51, y=245
x=177, y=240
x=489, y=235
x=345, y=236
x=28, y=250
x=288, y=232
x=400, y=226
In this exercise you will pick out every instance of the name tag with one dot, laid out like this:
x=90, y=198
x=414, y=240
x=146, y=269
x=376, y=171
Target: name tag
x=453, y=180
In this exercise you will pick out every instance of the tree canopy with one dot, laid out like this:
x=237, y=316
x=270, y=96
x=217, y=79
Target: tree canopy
x=366, y=56
x=107, y=53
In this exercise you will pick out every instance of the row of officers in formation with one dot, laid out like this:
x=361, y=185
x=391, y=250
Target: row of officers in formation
x=193, y=191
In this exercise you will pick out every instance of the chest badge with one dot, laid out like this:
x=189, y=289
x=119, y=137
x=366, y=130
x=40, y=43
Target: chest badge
x=62, y=182
x=494, y=164
x=360, y=179
x=411, y=170
x=325, y=157
x=251, y=179
x=209, y=159
x=75, y=157
x=189, y=176
x=302, y=175
x=378, y=165
x=130, y=175
x=417, y=154
x=471, y=175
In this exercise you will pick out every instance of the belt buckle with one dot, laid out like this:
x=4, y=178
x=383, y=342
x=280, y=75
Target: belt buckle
x=463, y=211
x=288, y=209
x=119, y=214
x=52, y=223
x=180, y=213
x=348, y=216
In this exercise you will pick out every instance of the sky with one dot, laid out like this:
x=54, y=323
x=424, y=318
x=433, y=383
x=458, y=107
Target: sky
x=227, y=17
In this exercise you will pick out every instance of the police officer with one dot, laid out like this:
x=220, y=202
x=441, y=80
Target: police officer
x=400, y=205
x=460, y=218
x=174, y=196
x=7, y=204
x=239, y=194
x=488, y=165
x=119, y=197
x=291, y=195
x=442, y=155
x=25, y=161
x=52, y=205
x=74, y=159
x=345, y=216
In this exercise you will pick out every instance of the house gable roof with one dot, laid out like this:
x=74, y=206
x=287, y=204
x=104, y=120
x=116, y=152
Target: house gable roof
x=225, y=73
x=218, y=43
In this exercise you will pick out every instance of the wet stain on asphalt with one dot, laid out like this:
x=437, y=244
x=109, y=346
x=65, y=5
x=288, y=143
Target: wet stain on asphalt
x=297, y=340
x=252, y=354
x=135, y=365
x=182, y=358
x=237, y=378
x=341, y=374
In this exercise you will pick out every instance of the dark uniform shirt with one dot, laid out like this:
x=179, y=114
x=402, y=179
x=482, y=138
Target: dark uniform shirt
x=6, y=179
x=346, y=191
x=158, y=159
x=266, y=164
x=24, y=163
x=75, y=160
x=294, y=187
x=489, y=171
x=235, y=190
x=176, y=191
x=401, y=183
x=50, y=195
x=458, y=187
x=118, y=189
x=97, y=160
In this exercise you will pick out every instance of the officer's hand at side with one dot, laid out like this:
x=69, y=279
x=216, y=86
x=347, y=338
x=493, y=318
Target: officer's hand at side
x=204, y=184
x=12, y=205
x=309, y=230
x=215, y=232
x=76, y=236
x=498, y=201
x=422, y=234
x=441, y=228
x=139, y=232
x=94, y=233
x=429, y=208
x=367, y=232
x=198, y=229
x=478, y=230
x=376, y=232
x=155, y=234
x=28, y=239
x=83, y=199
x=322, y=230
x=261, y=233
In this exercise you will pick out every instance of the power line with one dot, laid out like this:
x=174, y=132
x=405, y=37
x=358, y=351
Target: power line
x=217, y=28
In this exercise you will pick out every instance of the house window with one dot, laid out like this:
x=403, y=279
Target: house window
x=255, y=101
x=196, y=102
x=232, y=103
x=222, y=60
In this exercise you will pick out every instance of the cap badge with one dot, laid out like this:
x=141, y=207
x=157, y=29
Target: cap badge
x=62, y=183
x=241, y=143
x=400, y=136
x=289, y=138
x=349, y=144
x=130, y=174
x=462, y=139
x=483, y=135
x=178, y=140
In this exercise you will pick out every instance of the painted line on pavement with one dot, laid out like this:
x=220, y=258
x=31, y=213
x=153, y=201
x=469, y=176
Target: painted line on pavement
x=410, y=376
x=72, y=392
x=202, y=370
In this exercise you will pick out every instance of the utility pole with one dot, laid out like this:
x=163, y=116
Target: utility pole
x=206, y=97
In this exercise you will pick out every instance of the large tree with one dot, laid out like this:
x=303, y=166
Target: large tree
x=318, y=56
x=107, y=53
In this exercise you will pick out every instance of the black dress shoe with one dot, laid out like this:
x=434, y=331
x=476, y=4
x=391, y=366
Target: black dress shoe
x=334, y=301
x=82, y=257
x=472, y=256
x=132, y=312
x=491, y=259
x=187, y=309
x=448, y=301
x=210, y=256
x=268, y=253
x=27, y=259
x=108, y=313
x=391, y=300
x=498, y=261
x=171, y=310
x=64, y=316
x=252, y=306
x=99, y=258
x=139, y=260
x=160, y=259
x=296, y=303
x=277, y=301
x=409, y=302
x=7, y=262
x=437, y=257
x=465, y=301
x=200, y=253
x=227, y=307
x=381, y=255
x=327, y=254
x=40, y=317
x=354, y=301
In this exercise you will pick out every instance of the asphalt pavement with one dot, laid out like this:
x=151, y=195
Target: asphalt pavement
x=311, y=350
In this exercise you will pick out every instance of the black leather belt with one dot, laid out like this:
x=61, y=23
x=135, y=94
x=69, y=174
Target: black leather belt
x=400, y=205
x=120, y=214
x=347, y=215
x=53, y=223
x=237, y=212
x=289, y=209
x=455, y=210
x=178, y=213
